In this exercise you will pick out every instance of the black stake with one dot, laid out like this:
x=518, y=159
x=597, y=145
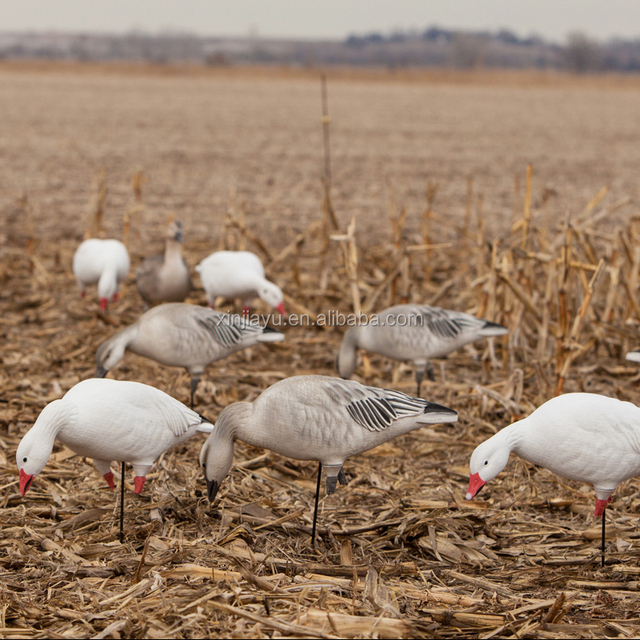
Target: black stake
x=604, y=513
x=315, y=510
x=122, y=505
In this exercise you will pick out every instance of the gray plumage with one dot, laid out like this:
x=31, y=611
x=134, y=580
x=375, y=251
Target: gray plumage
x=415, y=333
x=183, y=335
x=165, y=278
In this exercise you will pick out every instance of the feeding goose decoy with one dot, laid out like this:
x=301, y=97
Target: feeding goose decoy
x=165, y=278
x=109, y=420
x=580, y=436
x=238, y=274
x=415, y=333
x=183, y=335
x=105, y=262
x=315, y=418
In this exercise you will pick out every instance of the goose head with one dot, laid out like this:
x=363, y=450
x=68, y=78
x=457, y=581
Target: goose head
x=487, y=461
x=272, y=295
x=31, y=458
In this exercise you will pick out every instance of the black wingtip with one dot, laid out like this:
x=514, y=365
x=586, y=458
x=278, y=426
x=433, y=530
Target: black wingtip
x=495, y=326
x=268, y=329
x=432, y=407
x=212, y=489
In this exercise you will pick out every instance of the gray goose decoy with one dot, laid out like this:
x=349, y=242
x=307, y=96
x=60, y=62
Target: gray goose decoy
x=183, y=335
x=315, y=418
x=165, y=278
x=416, y=333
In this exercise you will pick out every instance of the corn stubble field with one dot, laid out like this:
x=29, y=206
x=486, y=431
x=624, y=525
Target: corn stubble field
x=447, y=213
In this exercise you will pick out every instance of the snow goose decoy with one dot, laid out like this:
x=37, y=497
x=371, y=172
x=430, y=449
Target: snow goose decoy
x=183, y=335
x=315, y=418
x=238, y=274
x=105, y=262
x=109, y=420
x=413, y=332
x=165, y=278
x=580, y=436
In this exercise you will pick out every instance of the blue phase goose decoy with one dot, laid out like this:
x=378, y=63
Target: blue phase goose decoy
x=315, y=418
x=183, y=335
x=413, y=332
x=105, y=262
x=109, y=420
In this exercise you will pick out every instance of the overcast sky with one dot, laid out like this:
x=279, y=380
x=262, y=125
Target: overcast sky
x=318, y=19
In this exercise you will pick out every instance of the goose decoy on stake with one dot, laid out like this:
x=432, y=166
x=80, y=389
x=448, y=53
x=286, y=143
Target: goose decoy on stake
x=238, y=274
x=109, y=420
x=416, y=333
x=183, y=335
x=579, y=436
x=105, y=262
x=165, y=278
x=315, y=418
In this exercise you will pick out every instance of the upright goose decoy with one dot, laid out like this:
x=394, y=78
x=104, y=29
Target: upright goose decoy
x=315, y=418
x=413, y=332
x=105, y=262
x=238, y=274
x=183, y=335
x=580, y=436
x=165, y=278
x=109, y=420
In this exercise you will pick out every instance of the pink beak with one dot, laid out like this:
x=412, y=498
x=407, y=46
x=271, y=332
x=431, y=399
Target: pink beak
x=280, y=308
x=475, y=484
x=103, y=303
x=25, y=482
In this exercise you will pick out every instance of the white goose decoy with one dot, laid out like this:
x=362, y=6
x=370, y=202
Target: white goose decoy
x=315, y=418
x=413, y=332
x=108, y=420
x=580, y=436
x=105, y=262
x=165, y=278
x=238, y=274
x=634, y=356
x=183, y=335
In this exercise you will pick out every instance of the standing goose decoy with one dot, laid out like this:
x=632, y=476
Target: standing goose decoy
x=109, y=420
x=165, y=278
x=238, y=274
x=580, y=436
x=183, y=335
x=413, y=332
x=105, y=262
x=315, y=418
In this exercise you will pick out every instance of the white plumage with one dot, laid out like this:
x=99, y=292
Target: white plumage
x=415, y=333
x=634, y=356
x=238, y=274
x=165, y=278
x=580, y=436
x=105, y=262
x=315, y=418
x=183, y=335
x=108, y=420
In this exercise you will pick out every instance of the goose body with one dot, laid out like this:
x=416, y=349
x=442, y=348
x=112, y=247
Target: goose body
x=580, y=436
x=315, y=418
x=165, y=278
x=238, y=274
x=108, y=420
x=102, y=262
x=183, y=335
x=415, y=333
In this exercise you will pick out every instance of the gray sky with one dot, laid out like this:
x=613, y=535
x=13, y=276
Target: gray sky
x=552, y=19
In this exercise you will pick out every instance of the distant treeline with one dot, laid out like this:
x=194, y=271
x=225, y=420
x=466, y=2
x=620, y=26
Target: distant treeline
x=434, y=46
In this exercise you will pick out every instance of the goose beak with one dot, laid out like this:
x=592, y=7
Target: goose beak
x=25, y=482
x=475, y=484
x=101, y=372
x=280, y=308
x=212, y=489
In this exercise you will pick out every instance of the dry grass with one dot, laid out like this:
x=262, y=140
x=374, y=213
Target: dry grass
x=401, y=552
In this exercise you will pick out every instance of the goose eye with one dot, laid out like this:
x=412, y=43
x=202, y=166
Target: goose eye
x=486, y=462
x=24, y=459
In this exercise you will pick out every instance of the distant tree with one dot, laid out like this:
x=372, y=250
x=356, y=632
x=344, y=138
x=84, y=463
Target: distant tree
x=508, y=37
x=582, y=54
x=434, y=34
x=468, y=50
